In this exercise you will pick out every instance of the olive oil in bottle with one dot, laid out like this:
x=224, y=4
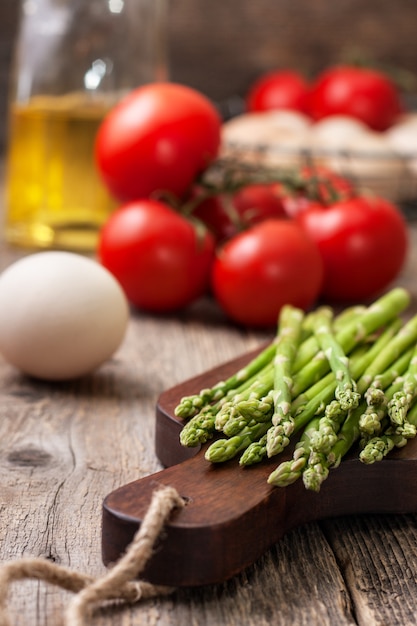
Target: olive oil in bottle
x=73, y=61
x=54, y=194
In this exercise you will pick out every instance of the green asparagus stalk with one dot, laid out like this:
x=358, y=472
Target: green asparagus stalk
x=288, y=472
x=326, y=435
x=376, y=316
x=345, y=391
x=405, y=338
x=253, y=398
x=259, y=409
x=316, y=471
x=191, y=405
x=401, y=401
x=225, y=449
x=378, y=447
x=389, y=383
x=288, y=339
x=255, y=452
x=377, y=399
x=348, y=315
x=247, y=412
x=348, y=434
x=199, y=428
x=360, y=359
x=262, y=380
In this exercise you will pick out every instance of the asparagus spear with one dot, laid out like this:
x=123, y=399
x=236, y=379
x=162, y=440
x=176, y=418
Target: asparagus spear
x=376, y=398
x=345, y=391
x=316, y=471
x=242, y=406
x=247, y=412
x=224, y=449
x=241, y=394
x=361, y=357
x=288, y=338
x=326, y=434
x=383, y=310
x=401, y=401
x=199, y=428
x=191, y=405
x=289, y=332
x=378, y=447
x=405, y=338
x=255, y=452
x=288, y=472
x=262, y=397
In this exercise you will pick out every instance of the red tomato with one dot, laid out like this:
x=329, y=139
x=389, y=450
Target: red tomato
x=228, y=214
x=365, y=94
x=278, y=90
x=161, y=260
x=158, y=138
x=363, y=243
x=216, y=216
x=258, y=271
x=255, y=203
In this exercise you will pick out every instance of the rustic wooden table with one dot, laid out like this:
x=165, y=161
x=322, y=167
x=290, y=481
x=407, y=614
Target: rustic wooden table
x=65, y=446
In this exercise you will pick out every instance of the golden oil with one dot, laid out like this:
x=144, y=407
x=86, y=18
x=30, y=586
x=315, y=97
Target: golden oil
x=55, y=198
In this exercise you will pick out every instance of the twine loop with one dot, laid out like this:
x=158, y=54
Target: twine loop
x=118, y=583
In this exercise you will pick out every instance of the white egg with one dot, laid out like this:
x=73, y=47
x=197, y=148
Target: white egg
x=61, y=315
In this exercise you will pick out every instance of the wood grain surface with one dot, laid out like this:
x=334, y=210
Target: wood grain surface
x=64, y=447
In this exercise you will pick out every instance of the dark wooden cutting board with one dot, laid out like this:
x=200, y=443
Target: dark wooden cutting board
x=232, y=515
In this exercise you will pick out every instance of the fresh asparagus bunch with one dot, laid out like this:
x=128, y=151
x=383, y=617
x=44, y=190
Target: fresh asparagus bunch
x=317, y=467
x=331, y=380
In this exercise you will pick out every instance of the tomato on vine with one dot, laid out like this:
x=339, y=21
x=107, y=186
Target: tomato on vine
x=258, y=271
x=363, y=242
x=278, y=89
x=365, y=94
x=157, y=139
x=162, y=261
x=227, y=214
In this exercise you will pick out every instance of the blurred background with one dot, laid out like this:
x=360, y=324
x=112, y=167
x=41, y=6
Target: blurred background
x=220, y=47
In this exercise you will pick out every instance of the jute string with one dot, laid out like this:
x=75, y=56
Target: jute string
x=117, y=584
